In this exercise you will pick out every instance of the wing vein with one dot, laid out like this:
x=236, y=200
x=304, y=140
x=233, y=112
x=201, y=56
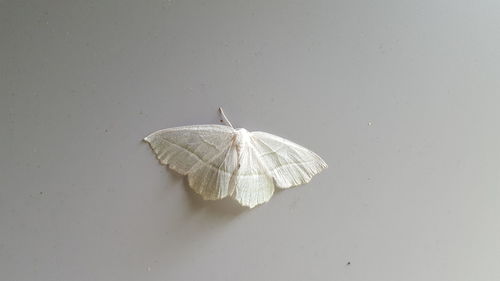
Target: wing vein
x=201, y=159
x=293, y=164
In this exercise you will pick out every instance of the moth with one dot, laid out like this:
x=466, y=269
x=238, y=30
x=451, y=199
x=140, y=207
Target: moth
x=221, y=161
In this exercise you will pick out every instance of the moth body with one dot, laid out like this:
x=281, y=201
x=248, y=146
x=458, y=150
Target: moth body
x=241, y=141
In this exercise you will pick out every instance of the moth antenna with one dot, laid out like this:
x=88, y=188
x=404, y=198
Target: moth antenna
x=225, y=117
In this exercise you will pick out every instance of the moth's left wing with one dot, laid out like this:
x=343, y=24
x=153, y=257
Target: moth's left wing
x=287, y=162
x=205, y=153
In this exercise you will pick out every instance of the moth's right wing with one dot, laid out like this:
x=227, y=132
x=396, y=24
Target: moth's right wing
x=205, y=153
x=287, y=162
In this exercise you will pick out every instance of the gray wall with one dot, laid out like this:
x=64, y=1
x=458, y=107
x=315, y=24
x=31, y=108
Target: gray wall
x=399, y=97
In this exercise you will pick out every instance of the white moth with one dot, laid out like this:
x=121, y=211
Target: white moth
x=222, y=161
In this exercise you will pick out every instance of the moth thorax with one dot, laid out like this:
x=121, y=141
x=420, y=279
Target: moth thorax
x=242, y=138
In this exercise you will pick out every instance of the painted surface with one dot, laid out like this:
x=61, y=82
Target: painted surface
x=399, y=97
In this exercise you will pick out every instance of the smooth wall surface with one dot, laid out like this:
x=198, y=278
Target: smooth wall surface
x=401, y=98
